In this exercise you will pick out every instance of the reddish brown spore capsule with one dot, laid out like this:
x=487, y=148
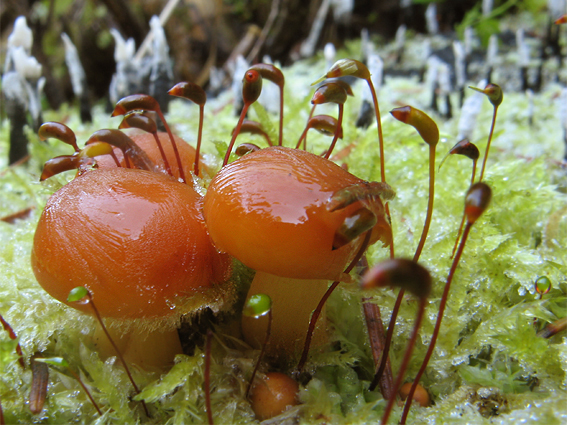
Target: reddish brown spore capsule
x=477, y=200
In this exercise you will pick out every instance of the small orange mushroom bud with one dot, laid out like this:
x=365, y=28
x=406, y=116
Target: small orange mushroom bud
x=420, y=395
x=273, y=394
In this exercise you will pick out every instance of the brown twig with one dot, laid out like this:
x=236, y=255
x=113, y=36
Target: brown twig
x=18, y=215
x=377, y=338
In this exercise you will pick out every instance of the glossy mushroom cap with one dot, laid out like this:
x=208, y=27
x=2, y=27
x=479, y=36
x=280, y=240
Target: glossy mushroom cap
x=147, y=143
x=135, y=239
x=269, y=210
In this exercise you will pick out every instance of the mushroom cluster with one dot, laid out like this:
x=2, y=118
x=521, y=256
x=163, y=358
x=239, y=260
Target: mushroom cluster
x=134, y=229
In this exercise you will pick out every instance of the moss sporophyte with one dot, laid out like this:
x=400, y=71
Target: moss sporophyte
x=158, y=232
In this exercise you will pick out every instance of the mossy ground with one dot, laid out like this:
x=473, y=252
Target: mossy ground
x=488, y=367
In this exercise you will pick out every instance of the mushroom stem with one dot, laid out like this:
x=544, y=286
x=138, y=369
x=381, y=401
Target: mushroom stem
x=288, y=330
x=149, y=350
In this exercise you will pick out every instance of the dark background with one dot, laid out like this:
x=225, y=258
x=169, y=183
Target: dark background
x=201, y=33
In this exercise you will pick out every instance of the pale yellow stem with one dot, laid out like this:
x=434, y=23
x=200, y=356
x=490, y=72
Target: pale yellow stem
x=149, y=350
x=293, y=301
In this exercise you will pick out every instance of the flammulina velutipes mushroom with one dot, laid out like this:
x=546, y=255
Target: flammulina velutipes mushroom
x=296, y=218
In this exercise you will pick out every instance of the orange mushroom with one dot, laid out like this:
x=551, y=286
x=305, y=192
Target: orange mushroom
x=275, y=210
x=137, y=241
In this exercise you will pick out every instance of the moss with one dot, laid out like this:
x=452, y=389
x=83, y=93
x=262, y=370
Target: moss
x=488, y=337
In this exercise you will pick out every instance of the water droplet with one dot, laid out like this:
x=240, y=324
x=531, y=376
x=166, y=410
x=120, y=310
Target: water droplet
x=170, y=304
x=542, y=285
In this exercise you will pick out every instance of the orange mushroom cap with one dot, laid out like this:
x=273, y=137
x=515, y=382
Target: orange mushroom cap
x=269, y=210
x=147, y=143
x=136, y=239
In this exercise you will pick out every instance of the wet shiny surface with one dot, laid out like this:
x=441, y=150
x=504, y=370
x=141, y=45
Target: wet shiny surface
x=136, y=239
x=147, y=143
x=268, y=209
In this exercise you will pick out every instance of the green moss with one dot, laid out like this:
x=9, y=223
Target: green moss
x=488, y=336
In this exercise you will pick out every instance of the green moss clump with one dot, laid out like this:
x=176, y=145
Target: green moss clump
x=489, y=333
